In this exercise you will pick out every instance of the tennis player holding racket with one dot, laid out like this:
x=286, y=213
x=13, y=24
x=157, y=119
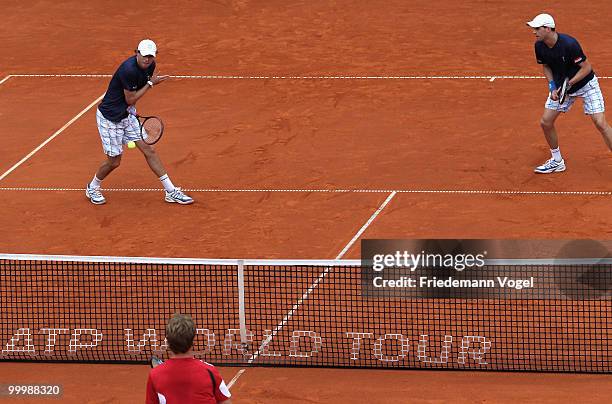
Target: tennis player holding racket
x=118, y=123
x=562, y=58
x=183, y=378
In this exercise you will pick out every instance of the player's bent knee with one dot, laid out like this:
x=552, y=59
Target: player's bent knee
x=601, y=124
x=114, y=162
x=547, y=123
x=148, y=150
x=603, y=128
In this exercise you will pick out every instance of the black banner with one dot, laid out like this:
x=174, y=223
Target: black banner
x=486, y=269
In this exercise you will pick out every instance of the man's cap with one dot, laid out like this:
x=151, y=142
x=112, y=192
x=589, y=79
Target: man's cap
x=542, y=20
x=147, y=47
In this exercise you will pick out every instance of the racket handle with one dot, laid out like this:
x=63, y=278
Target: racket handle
x=552, y=86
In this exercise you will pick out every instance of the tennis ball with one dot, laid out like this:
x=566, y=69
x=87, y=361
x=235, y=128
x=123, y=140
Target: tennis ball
x=131, y=145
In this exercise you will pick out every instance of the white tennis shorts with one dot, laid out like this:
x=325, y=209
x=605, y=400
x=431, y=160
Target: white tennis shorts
x=115, y=134
x=593, y=100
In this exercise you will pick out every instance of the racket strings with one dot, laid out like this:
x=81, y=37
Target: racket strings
x=152, y=129
x=564, y=91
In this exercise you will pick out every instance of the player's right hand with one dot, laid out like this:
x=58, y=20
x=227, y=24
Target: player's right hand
x=554, y=95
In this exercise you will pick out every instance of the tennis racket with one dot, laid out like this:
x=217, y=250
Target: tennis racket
x=151, y=128
x=155, y=362
x=563, y=91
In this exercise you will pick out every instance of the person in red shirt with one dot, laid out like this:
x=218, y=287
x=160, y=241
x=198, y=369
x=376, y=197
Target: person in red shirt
x=183, y=379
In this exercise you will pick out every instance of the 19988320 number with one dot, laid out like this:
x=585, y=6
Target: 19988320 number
x=17, y=389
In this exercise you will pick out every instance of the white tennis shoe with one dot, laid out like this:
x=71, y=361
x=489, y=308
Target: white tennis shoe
x=177, y=196
x=551, y=166
x=94, y=195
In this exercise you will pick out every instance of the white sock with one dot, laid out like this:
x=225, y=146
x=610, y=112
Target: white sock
x=168, y=185
x=556, y=154
x=95, y=183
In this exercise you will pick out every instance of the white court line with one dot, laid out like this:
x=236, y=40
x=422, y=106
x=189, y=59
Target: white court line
x=365, y=226
x=5, y=79
x=64, y=75
x=314, y=285
x=329, y=191
x=53, y=136
x=334, y=77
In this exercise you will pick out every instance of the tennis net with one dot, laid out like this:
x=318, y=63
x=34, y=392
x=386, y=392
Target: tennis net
x=306, y=313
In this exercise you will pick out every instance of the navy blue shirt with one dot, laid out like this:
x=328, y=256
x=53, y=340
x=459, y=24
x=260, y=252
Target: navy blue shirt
x=564, y=60
x=129, y=77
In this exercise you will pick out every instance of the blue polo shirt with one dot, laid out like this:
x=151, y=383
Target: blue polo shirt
x=129, y=76
x=564, y=60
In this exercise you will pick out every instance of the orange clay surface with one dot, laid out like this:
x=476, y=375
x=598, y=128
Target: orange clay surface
x=86, y=383
x=413, y=134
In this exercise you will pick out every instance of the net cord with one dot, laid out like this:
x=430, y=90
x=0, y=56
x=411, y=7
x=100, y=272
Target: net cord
x=278, y=262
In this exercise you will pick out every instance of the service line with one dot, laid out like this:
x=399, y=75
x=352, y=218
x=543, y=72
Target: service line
x=488, y=77
x=517, y=192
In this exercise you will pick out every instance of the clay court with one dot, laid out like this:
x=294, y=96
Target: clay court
x=300, y=128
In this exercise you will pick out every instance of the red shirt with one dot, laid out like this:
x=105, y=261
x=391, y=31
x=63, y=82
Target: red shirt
x=185, y=380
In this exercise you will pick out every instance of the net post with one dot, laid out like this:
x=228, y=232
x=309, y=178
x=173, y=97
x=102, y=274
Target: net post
x=241, y=308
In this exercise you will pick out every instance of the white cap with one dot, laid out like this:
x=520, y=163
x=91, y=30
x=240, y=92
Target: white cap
x=542, y=20
x=147, y=47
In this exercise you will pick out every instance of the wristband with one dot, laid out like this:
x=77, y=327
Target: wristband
x=552, y=86
x=150, y=83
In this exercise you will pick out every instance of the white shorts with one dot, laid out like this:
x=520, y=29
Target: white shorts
x=591, y=96
x=115, y=134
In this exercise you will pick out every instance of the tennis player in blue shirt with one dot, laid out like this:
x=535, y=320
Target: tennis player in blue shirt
x=118, y=125
x=562, y=57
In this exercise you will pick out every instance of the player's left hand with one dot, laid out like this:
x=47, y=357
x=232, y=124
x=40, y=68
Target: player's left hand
x=156, y=79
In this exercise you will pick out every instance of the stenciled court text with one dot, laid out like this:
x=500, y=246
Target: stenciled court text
x=388, y=347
